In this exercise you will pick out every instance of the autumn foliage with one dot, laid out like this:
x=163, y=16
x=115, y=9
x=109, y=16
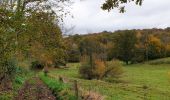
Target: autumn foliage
x=99, y=69
x=130, y=46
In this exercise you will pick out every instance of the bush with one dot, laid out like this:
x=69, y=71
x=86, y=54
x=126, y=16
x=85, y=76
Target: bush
x=22, y=71
x=114, y=69
x=160, y=61
x=36, y=65
x=19, y=80
x=8, y=67
x=7, y=73
x=86, y=71
x=100, y=69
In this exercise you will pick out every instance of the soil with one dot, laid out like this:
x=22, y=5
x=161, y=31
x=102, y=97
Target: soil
x=34, y=89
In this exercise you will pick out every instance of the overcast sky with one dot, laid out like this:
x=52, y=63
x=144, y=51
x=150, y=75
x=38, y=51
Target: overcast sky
x=90, y=18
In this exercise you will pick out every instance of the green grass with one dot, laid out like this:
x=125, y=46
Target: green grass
x=60, y=90
x=139, y=82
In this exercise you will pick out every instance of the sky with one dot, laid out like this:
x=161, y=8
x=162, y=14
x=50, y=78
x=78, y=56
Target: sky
x=88, y=17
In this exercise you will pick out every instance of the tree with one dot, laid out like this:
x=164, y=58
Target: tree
x=29, y=30
x=73, y=53
x=124, y=45
x=45, y=43
x=91, y=47
x=111, y=4
x=72, y=48
x=7, y=49
x=154, y=47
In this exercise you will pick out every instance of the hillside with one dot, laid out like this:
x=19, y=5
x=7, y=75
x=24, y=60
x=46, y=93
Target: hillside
x=139, y=82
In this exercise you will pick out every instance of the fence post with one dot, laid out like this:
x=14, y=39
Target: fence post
x=76, y=89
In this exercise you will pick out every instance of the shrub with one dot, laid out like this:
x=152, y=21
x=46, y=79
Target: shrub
x=59, y=63
x=19, y=80
x=114, y=69
x=7, y=74
x=36, y=65
x=22, y=71
x=99, y=69
x=86, y=71
x=8, y=67
x=160, y=61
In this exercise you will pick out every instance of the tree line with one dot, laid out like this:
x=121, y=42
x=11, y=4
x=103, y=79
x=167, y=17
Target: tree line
x=130, y=46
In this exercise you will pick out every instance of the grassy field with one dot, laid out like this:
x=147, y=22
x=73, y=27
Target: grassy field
x=139, y=82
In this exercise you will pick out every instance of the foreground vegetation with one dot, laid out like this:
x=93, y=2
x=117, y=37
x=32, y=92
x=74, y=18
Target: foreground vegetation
x=139, y=82
x=21, y=76
x=60, y=90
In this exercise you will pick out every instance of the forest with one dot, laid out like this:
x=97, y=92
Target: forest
x=130, y=46
x=39, y=62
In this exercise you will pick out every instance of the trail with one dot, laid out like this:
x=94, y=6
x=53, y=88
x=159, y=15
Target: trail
x=34, y=89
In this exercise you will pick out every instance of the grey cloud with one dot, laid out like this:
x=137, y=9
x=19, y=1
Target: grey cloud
x=88, y=17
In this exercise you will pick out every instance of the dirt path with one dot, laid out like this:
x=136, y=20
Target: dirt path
x=35, y=89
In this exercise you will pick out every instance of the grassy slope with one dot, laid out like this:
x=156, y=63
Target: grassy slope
x=136, y=78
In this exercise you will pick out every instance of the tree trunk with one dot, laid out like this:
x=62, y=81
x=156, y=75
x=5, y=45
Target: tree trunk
x=127, y=63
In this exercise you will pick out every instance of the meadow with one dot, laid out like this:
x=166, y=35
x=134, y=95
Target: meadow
x=139, y=82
